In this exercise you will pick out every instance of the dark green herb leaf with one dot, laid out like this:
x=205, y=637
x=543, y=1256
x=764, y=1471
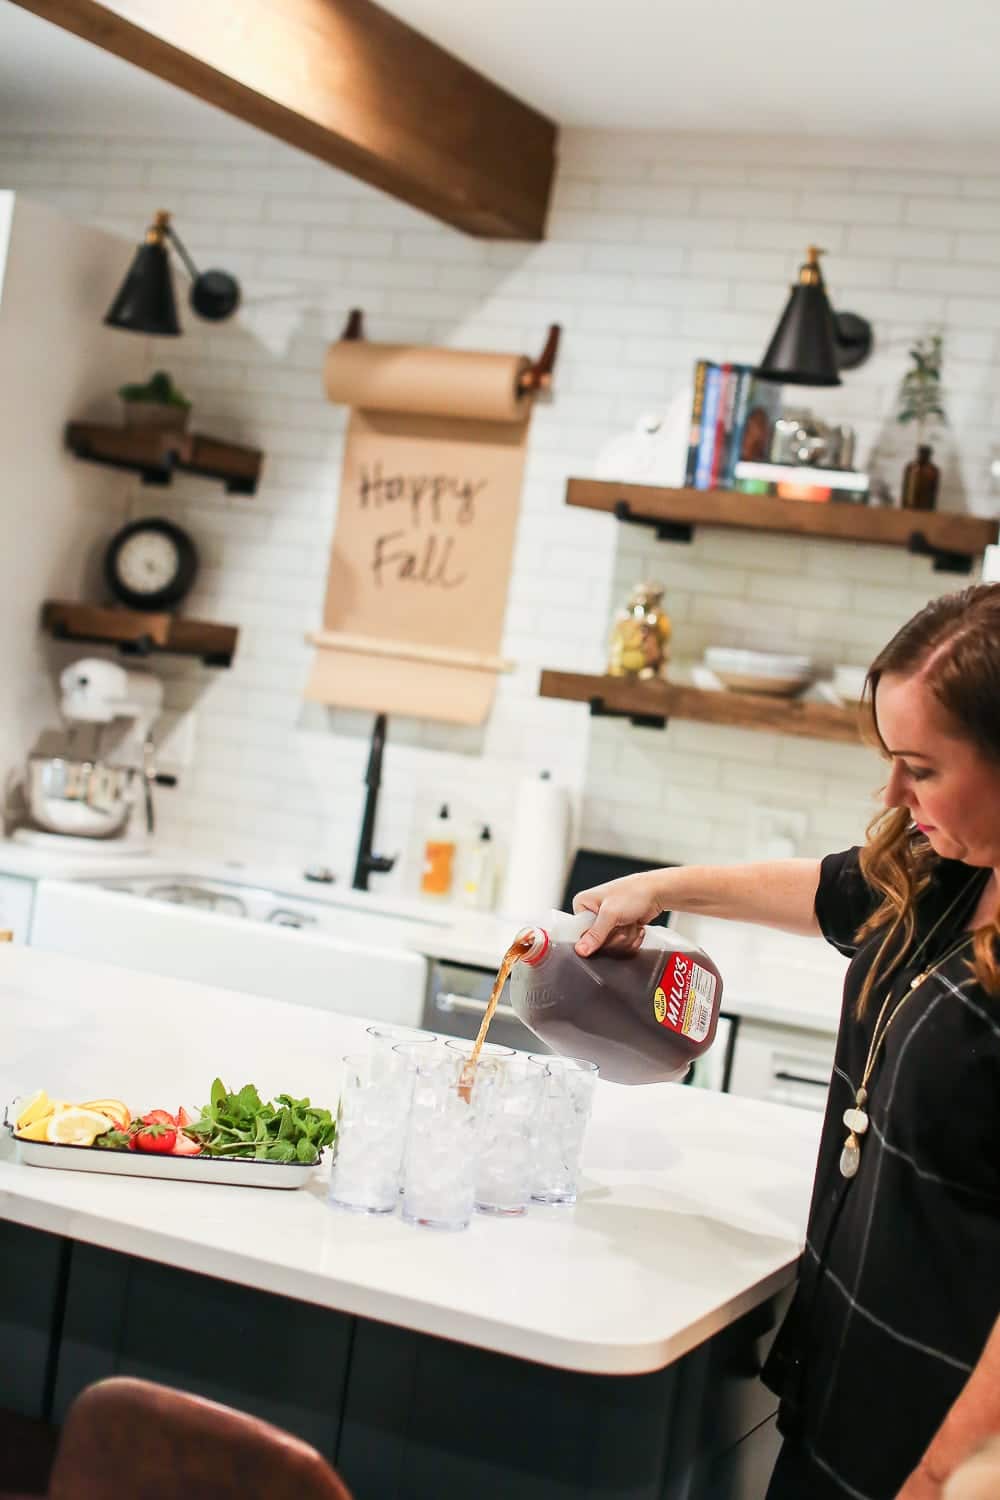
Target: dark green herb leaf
x=113, y=1140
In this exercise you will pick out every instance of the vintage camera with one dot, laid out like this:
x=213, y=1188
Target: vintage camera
x=800, y=438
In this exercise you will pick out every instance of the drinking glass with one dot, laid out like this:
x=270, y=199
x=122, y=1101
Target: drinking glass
x=389, y=1036
x=494, y=1050
x=443, y=1141
x=371, y=1129
x=567, y=1099
x=414, y=1054
x=420, y=1051
x=507, y=1160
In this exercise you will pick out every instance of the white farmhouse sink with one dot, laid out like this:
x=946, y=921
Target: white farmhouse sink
x=242, y=937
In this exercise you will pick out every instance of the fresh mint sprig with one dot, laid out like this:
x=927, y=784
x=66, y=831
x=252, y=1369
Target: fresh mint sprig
x=242, y=1124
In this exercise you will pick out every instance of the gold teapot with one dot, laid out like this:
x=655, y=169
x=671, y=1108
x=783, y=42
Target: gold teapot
x=640, y=636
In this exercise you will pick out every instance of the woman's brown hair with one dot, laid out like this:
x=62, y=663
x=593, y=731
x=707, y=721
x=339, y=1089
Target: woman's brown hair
x=954, y=643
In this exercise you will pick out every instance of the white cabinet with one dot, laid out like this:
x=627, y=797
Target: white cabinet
x=16, y=901
x=782, y=1064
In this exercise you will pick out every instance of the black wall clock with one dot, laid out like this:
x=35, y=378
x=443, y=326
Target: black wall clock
x=150, y=564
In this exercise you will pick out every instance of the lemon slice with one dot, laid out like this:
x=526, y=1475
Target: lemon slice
x=117, y=1112
x=77, y=1127
x=38, y=1130
x=35, y=1108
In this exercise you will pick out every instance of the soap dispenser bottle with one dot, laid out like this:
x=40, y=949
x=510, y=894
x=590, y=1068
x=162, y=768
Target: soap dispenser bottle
x=478, y=883
x=439, y=856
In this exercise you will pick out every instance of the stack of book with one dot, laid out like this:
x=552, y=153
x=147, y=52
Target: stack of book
x=801, y=482
x=732, y=418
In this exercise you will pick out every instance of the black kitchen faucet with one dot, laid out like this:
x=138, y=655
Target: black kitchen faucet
x=368, y=863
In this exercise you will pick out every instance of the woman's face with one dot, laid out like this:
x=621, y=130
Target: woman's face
x=952, y=791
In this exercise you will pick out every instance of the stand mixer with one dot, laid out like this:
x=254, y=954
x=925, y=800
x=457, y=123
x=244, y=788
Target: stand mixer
x=90, y=791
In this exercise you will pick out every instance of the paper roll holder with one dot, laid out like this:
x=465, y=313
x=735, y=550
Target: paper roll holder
x=536, y=379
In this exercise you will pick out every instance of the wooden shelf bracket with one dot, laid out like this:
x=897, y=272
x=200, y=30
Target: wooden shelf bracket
x=665, y=531
x=600, y=710
x=944, y=561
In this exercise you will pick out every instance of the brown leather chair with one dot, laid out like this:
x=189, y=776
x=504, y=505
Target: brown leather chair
x=27, y=1453
x=130, y=1438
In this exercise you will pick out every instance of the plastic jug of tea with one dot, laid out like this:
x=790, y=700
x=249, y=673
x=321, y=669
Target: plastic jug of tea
x=643, y=1017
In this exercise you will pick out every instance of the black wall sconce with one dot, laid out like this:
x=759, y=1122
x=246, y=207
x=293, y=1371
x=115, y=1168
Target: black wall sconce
x=812, y=343
x=145, y=301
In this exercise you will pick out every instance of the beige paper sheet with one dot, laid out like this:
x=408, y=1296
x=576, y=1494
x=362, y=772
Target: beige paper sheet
x=425, y=528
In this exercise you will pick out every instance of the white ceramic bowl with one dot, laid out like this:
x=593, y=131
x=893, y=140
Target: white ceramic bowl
x=722, y=659
x=775, y=685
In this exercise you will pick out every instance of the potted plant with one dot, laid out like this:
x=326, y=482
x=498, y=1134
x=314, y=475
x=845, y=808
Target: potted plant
x=158, y=403
x=921, y=401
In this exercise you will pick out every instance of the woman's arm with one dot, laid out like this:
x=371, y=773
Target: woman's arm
x=974, y=1417
x=780, y=893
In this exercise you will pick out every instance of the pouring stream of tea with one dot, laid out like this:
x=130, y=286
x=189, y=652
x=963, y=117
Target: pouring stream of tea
x=518, y=948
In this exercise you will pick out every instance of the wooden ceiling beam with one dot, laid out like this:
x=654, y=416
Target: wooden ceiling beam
x=349, y=83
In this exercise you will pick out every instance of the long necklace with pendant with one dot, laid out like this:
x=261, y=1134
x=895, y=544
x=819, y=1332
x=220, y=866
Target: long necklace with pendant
x=856, y=1118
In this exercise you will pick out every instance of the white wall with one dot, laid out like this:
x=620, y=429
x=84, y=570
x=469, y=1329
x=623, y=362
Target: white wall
x=660, y=249
x=56, y=362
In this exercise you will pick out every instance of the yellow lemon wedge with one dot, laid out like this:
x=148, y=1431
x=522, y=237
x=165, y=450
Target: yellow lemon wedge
x=35, y=1108
x=38, y=1130
x=117, y=1112
x=76, y=1127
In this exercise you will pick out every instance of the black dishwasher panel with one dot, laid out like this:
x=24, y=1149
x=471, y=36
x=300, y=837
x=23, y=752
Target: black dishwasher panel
x=456, y=1000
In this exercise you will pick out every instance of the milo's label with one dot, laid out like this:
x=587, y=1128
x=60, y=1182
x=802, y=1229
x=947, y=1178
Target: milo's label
x=684, y=998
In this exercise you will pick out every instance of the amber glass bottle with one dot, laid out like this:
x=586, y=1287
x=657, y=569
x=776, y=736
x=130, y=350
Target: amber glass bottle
x=921, y=478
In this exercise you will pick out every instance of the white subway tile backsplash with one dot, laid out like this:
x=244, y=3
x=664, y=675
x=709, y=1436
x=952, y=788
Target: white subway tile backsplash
x=875, y=180
x=377, y=243
x=817, y=594
x=751, y=203
x=644, y=198
x=958, y=277
x=661, y=249
x=788, y=234
x=657, y=260
x=912, y=245
x=953, y=213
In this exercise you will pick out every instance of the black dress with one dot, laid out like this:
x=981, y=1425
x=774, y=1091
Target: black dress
x=899, y=1285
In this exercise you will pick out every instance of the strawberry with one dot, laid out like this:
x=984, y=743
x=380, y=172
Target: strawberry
x=158, y=1117
x=186, y=1145
x=156, y=1137
x=182, y=1118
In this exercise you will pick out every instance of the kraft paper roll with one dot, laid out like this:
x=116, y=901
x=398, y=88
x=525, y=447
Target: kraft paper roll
x=426, y=382
x=539, y=849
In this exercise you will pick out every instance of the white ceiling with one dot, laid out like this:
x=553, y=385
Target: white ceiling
x=898, y=69
x=52, y=83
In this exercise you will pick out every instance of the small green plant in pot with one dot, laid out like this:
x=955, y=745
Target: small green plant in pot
x=921, y=401
x=158, y=403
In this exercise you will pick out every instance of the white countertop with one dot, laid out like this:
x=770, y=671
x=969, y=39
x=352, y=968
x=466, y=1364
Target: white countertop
x=692, y=1209
x=73, y=864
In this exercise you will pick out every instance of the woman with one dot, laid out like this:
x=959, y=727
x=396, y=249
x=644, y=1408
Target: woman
x=888, y=1365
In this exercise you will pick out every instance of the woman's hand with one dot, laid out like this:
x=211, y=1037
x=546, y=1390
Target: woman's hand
x=622, y=907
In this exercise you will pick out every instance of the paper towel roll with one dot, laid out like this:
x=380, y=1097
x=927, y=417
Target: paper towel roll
x=426, y=382
x=539, y=847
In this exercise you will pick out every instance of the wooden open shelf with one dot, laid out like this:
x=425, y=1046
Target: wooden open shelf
x=953, y=541
x=651, y=704
x=139, y=633
x=157, y=454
